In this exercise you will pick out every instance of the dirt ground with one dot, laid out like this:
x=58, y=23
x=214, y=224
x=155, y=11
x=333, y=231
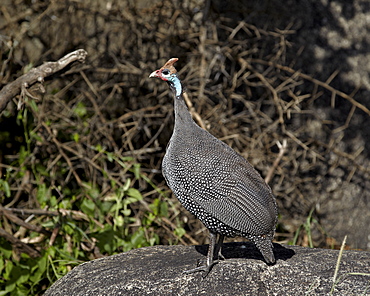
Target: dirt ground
x=257, y=74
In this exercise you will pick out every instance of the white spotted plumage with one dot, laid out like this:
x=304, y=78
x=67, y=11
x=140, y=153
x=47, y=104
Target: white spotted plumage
x=214, y=182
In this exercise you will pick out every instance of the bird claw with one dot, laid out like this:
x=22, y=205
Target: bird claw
x=205, y=268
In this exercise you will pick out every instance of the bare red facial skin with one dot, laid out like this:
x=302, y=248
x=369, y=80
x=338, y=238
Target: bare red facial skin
x=168, y=65
x=158, y=74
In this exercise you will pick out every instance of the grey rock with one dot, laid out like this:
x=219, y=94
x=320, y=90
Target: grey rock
x=158, y=270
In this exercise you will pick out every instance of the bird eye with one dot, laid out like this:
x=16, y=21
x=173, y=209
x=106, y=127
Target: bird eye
x=166, y=71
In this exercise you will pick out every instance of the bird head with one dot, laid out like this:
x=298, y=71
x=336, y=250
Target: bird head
x=168, y=73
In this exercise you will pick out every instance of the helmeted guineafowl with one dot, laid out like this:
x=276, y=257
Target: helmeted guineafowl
x=214, y=182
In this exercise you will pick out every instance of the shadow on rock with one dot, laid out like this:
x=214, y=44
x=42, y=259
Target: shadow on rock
x=248, y=250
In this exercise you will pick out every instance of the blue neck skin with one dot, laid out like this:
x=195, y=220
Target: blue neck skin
x=183, y=118
x=176, y=85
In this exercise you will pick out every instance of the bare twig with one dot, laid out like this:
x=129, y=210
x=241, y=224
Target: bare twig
x=77, y=215
x=283, y=147
x=20, y=222
x=338, y=264
x=317, y=82
x=194, y=113
x=24, y=248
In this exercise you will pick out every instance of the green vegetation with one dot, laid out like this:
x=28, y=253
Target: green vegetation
x=60, y=221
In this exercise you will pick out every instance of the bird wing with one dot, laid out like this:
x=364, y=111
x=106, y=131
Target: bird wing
x=242, y=201
x=220, y=181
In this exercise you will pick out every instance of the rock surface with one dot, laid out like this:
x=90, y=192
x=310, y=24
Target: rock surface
x=158, y=270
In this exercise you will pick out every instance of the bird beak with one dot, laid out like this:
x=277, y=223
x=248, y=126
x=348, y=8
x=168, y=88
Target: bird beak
x=155, y=74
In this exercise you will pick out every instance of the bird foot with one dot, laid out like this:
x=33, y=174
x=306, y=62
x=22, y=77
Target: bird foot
x=220, y=256
x=205, y=268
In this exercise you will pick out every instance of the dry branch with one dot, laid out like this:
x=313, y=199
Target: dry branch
x=24, y=248
x=77, y=215
x=20, y=222
x=317, y=82
x=282, y=149
x=38, y=75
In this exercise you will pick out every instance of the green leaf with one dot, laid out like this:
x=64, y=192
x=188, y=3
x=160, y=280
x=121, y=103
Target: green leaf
x=88, y=206
x=136, y=170
x=76, y=137
x=126, y=212
x=150, y=218
x=20, y=275
x=94, y=192
x=51, y=251
x=135, y=194
x=110, y=156
x=153, y=241
x=105, y=240
x=2, y=265
x=138, y=238
x=126, y=186
x=116, y=207
x=41, y=194
x=179, y=232
x=163, y=209
x=23, y=153
x=80, y=109
x=48, y=224
x=65, y=204
x=39, y=269
x=8, y=269
x=35, y=136
x=42, y=170
x=8, y=288
x=5, y=187
x=118, y=221
x=129, y=200
x=98, y=148
x=52, y=201
x=154, y=206
x=34, y=105
x=20, y=290
x=68, y=229
x=27, y=68
x=5, y=249
x=106, y=206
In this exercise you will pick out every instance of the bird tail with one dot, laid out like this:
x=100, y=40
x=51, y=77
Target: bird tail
x=265, y=246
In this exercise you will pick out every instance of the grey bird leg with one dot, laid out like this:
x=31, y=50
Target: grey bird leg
x=210, y=255
x=219, y=246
